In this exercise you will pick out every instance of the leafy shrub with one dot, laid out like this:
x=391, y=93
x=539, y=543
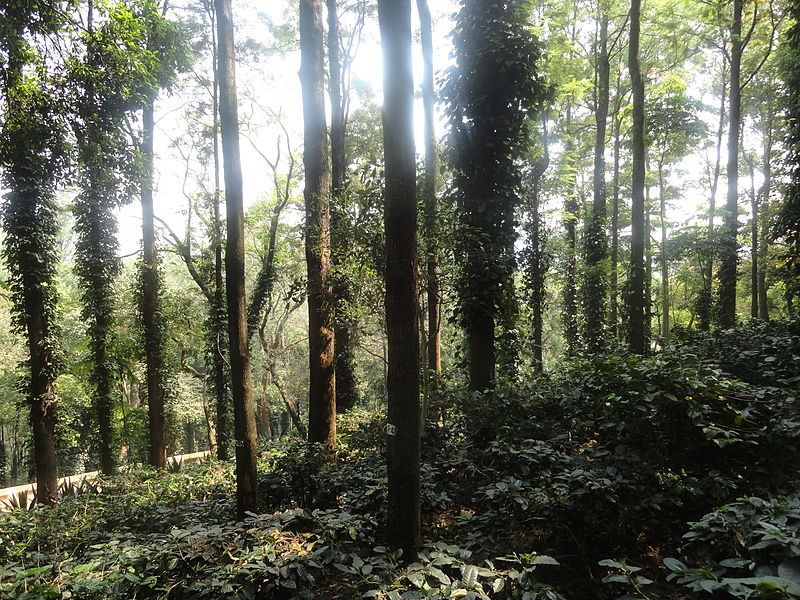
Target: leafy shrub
x=749, y=549
x=760, y=352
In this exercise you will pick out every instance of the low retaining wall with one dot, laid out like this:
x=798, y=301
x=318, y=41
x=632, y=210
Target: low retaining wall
x=29, y=489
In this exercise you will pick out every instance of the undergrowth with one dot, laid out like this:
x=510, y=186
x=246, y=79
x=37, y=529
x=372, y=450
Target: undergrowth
x=672, y=476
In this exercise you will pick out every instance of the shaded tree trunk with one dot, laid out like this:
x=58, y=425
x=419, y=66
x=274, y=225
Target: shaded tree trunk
x=150, y=300
x=403, y=443
x=729, y=244
x=636, y=278
x=241, y=379
x=322, y=385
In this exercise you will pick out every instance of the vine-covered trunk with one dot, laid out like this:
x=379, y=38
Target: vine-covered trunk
x=596, y=242
x=30, y=223
x=241, y=380
x=728, y=241
x=636, y=278
x=571, y=270
x=537, y=260
x=403, y=445
x=42, y=393
x=322, y=381
x=150, y=300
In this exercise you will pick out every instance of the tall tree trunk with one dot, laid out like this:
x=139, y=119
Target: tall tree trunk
x=434, y=346
x=763, y=306
x=537, y=260
x=707, y=294
x=150, y=300
x=346, y=383
x=29, y=206
x=322, y=385
x=244, y=421
x=662, y=213
x=217, y=320
x=754, y=239
x=727, y=270
x=636, y=279
x=403, y=444
x=596, y=241
x=614, y=283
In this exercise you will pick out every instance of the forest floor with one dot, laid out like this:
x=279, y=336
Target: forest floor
x=672, y=476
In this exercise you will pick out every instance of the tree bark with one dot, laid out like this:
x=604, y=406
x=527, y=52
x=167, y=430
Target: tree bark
x=434, y=345
x=614, y=283
x=636, y=329
x=241, y=379
x=707, y=295
x=763, y=306
x=662, y=213
x=346, y=384
x=727, y=270
x=596, y=241
x=150, y=300
x=322, y=385
x=291, y=405
x=403, y=443
x=217, y=319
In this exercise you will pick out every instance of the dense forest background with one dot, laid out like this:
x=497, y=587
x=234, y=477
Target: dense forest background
x=528, y=303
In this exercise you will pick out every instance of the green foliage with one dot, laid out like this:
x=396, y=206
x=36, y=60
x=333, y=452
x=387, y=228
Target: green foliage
x=760, y=352
x=749, y=549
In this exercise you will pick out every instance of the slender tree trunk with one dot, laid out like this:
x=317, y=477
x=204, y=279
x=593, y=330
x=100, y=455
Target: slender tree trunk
x=291, y=405
x=241, y=379
x=648, y=260
x=662, y=204
x=754, y=240
x=763, y=306
x=707, y=295
x=537, y=258
x=218, y=334
x=150, y=301
x=322, y=385
x=434, y=346
x=637, y=301
x=727, y=271
x=596, y=241
x=264, y=426
x=614, y=284
x=346, y=383
x=403, y=444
